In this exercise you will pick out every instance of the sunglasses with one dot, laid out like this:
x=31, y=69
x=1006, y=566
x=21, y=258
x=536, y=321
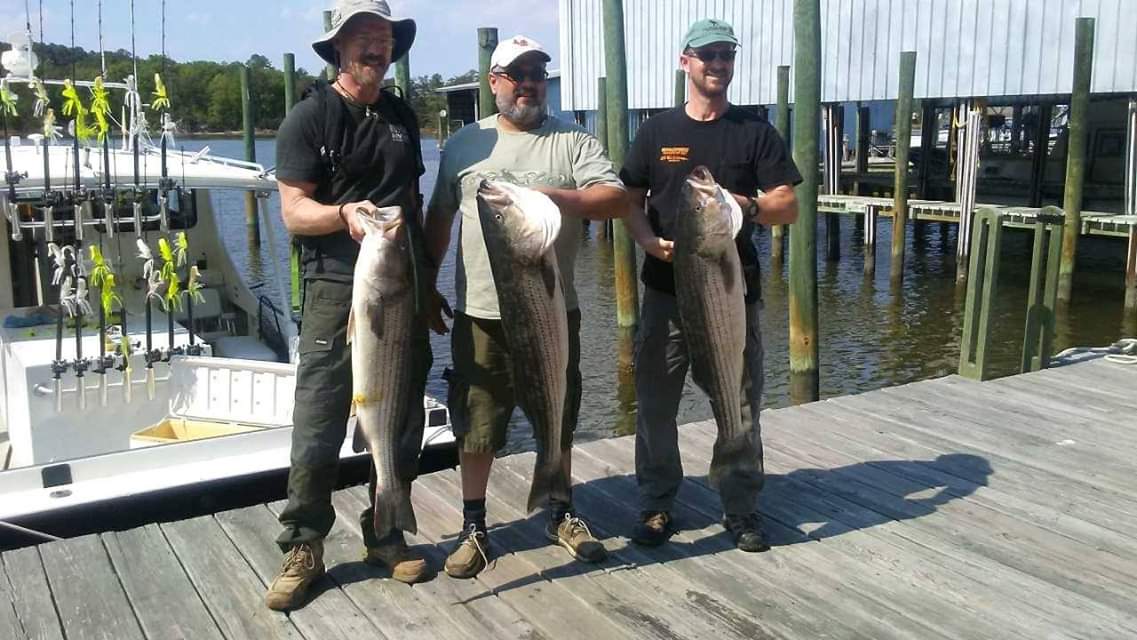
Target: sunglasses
x=517, y=76
x=710, y=55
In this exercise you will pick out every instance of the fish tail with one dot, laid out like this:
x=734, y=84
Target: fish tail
x=393, y=510
x=549, y=482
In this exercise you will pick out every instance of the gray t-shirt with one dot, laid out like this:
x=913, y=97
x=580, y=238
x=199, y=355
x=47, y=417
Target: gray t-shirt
x=556, y=154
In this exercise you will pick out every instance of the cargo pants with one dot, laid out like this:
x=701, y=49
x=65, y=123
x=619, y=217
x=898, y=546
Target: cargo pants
x=661, y=361
x=321, y=411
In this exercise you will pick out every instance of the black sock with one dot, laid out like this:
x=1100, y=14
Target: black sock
x=474, y=512
x=558, y=509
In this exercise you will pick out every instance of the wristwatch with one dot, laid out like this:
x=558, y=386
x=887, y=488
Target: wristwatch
x=750, y=210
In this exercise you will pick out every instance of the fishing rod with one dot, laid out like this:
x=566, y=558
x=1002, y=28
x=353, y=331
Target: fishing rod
x=11, y=176
x=58, y=365
x=153, y=283
x=124, y=350
x=80, y=363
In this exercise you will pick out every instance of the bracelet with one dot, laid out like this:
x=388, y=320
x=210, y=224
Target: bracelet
x=340, y=211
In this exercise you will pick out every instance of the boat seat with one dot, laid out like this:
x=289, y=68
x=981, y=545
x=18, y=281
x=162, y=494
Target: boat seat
x=242, y=347
x=216, y=327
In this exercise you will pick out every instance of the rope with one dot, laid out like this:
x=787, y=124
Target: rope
x=1124, y=352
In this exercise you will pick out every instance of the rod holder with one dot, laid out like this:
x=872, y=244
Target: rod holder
x=104, y=389
x=12, y=210
x=136, y=208
x=49, y=223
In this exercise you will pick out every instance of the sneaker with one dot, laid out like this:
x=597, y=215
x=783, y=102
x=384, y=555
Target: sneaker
x=406, y=564
x=747, y=531
x=303, y=565
x=573, y=534
x=653, y=529
x=469, y=556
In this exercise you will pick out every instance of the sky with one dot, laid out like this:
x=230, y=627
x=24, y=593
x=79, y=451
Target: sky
x=233, y=30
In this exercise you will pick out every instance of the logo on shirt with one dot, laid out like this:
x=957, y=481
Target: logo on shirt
x=398, y=133
x=673, y=155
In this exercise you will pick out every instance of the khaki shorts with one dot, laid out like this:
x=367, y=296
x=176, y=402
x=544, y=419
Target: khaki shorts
x=481, y=399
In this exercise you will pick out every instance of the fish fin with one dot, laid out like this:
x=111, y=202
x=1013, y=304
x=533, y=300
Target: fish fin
x=549, y=481
x=350, y=324
x=393, y=510
x=358, y=441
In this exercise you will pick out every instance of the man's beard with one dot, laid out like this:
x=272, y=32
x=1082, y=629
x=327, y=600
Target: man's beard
x=525, y=117
x=704, y=86
x=366, y=76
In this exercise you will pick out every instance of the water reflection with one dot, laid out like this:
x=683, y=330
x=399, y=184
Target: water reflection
x=870, y=335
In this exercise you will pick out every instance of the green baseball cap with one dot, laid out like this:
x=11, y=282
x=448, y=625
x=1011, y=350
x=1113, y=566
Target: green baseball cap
x=709, y=31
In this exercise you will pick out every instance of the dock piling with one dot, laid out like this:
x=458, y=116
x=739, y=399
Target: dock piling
x=1076, y=153
x=1038, y=343
x=252, y=226
x=903, y=135
x=487, y=42
x=981, y=290
x=804, y=380
x=777, y=231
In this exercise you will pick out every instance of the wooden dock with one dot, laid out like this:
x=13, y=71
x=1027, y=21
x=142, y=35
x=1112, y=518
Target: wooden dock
x=939, y=509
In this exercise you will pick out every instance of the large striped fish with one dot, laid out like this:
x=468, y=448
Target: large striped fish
x=379, y=330
x=710, y=293
x=520, y=226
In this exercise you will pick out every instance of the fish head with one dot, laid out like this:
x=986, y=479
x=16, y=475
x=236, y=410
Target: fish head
x=384, y=245
x=709, y=217
x=521, y=221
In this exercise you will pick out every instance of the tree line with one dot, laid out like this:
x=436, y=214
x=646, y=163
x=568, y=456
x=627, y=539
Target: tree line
x=205, y=96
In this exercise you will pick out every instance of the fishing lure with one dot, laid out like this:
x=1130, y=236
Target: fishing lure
x=50, y=131
x=181, y=248
x=100, y=108
x=169, y=274
x=66, y=299
x=8, y=99
x=81, y=297
x=41, y=98
x=58, y=260
x=193, y=286
x=103, y=277
x=72, y=103
x=161, y=99
x=146, y=256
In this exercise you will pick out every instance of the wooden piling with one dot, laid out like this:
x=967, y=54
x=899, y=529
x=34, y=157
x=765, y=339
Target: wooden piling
x=1039, y=153
x=330, y=71
x=289, y=82
x=403, y=75
x=902, y=139
x=605, y=232
x=1076, y=153
x=252, y=226
x=804, y=381
x=623, y=249
x=870, y=224
x=1038, y=341
x=295, y=288
x=777, y=231
x=864, y=140
x=929, y=134
x=834, y=157
x=487, y=42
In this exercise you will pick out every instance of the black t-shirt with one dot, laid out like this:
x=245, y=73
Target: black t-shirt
x=743, y=152
x=376, y=160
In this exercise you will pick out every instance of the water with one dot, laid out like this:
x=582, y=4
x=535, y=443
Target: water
x=870, y=337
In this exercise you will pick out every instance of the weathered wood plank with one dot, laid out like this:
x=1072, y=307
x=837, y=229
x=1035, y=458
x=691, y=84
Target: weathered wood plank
x=894, y=576
x=88, y=596
x=161, y=594
x=31, y=595
x=1106, y=508
x=329, y=613
x=637, y=593
x=769, y=587
x=467, y=608
x=1033, y=504
x=551, y=606
x=1110, y=431
x=1043, y=453
x=229, y=587
x=948, y=542
x=10, y=626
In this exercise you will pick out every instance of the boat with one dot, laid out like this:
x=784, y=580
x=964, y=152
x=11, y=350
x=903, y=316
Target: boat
x=170, y=390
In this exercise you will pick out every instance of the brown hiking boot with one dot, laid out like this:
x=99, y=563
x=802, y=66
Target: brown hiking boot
x=302, y=566
x=406, y=564
x=470, y=555
x=573, y=534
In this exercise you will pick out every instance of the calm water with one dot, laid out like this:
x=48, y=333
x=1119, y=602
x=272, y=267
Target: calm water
x=869, y=336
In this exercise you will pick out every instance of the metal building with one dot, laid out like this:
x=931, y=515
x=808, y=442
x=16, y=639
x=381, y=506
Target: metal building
x=965, y=48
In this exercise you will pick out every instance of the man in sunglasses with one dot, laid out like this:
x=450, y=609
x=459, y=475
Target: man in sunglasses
x=748, y=158
x=521, y=144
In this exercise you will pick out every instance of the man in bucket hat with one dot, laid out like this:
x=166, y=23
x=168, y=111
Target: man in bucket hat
x=748, y=158
x=345, y=150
